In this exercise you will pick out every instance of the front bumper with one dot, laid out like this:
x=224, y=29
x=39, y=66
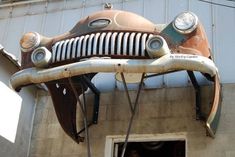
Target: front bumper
x=164, y=64
x=167, y=63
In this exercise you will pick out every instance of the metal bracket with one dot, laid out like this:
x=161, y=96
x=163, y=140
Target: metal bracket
x=199, y=115
x=88, y=82
x=84, y=81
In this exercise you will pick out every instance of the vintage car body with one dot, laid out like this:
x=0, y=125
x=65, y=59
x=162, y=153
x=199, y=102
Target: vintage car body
x=115, y=41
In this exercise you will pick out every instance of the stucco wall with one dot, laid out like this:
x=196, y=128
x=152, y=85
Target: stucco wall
x=160, y=112
x=20, y=146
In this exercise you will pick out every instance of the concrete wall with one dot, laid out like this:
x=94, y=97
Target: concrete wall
x=160, y=112
x=18, y=147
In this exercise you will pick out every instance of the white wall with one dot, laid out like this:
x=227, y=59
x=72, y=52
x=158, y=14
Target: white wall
x=58, y=16
x=16, y=114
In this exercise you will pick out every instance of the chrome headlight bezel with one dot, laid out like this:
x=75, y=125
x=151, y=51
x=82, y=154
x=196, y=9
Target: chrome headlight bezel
x=30, y=41
x=41, y=57
x=156, y=46
x=185, y=22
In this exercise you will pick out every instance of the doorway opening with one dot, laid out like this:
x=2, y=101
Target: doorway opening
x=175, y=148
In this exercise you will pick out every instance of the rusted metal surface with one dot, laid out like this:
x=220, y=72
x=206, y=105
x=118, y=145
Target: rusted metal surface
x=119, y=21
x=214, y=115
x=118, y=35
x=65, y=104
x=197, y=44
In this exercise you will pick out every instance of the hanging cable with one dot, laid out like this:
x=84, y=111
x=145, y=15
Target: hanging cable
x=84, y=112
x=86, y=123
x=219, y=4
x=132, y=115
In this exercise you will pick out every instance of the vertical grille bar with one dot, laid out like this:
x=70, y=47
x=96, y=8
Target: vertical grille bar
x=79, y=47
x=113, y=39
x=107, y=39
x=69, y=50
x=119, y=43
x=59, y=51
x=94, y=51
x=143, y=41
x=55, y=50
x=63, y=55
x=84, y=46
x=90, y=44
x=131, y=44
x=150, y=35
x=101, y=43
x=74, y=47
x=125, y=43
x=137, y=44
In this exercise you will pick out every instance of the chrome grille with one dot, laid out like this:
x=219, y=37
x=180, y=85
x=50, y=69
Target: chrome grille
x=101, y=44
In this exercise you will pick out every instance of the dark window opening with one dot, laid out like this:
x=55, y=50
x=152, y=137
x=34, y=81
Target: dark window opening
x=152, y=149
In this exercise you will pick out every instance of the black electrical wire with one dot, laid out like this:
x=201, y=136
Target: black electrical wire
x=219, y=4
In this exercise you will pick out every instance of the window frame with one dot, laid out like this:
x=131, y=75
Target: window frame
x=113, y=139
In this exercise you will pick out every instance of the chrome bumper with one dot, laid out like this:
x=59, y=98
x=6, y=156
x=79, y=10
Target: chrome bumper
x=167, y=63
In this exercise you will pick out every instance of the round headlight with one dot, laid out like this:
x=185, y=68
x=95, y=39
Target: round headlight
x=156, y=46
x=29, y=41
x=41, y=57
x=185, y=22
x=155, y=43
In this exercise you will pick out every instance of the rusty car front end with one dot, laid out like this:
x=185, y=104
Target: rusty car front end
x=115, y=41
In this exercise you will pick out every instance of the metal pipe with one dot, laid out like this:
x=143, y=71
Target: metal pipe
x=127, y=93
x=167, y=63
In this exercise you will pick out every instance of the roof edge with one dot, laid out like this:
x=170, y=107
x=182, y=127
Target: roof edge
x=9, y=57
